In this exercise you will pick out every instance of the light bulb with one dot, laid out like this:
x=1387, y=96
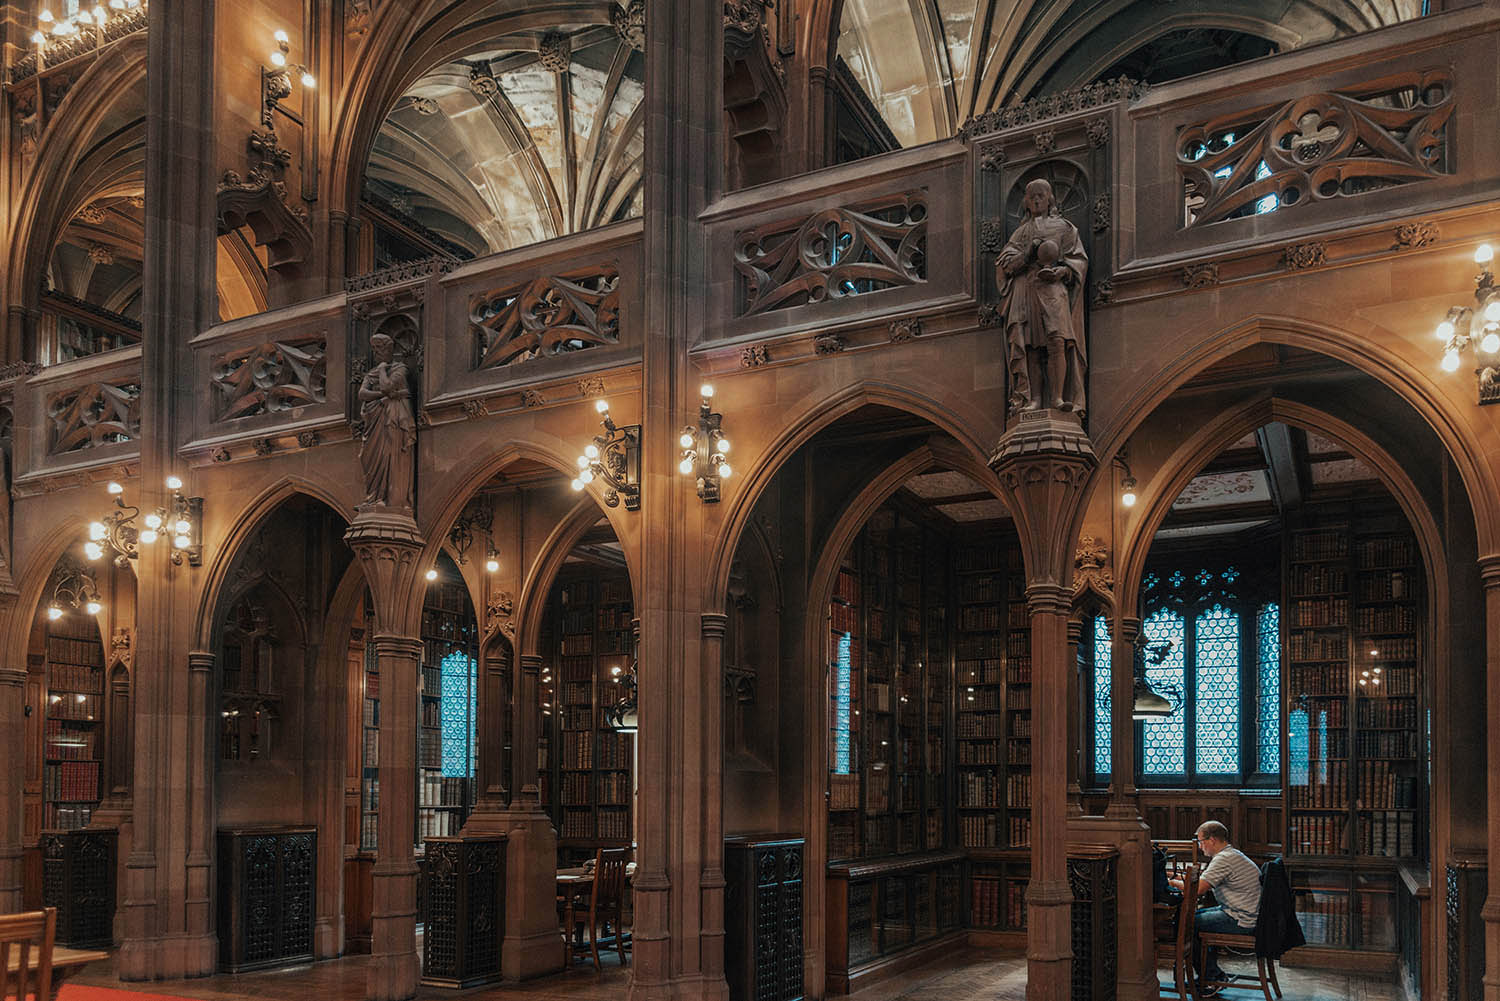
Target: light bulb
x=117, y=4
x=93, y=550
x=80, y=697
x=308, y=80
x=1492, y=311
x=183, y=526
x=723, y=444
x=577, y=484
x=99, y=14
x=1491, y=341
x=686, y=440
x=492, y=565
x=1444, y=330
x=174, y=483
x=84, y=17
x=685, y=467
x=153, y=520
x=45, y=16
x=583, y=462
x=706, y=391
x=277, y=59
x=587, y=476
x=54, y=613
x=97, y=531
x=1127, y=492
x=115, y=488
x=147, y=536
x=181, y=542
x=724, y=470
x=432, y=573
x=1484, y=253
x=591, y=450
x=1450, y=361
x=281, y=36
x=93, y=608
x=38, y=38
x=602, y=406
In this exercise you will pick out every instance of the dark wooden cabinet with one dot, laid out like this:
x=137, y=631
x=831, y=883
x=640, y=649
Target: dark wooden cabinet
x=78, y=878
x=763, y=918
x=1093, y=878
x=267, y=896
x=465, y=911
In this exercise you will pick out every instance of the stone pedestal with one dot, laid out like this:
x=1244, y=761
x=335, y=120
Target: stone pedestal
x=1136, y=970
x=1043, y=462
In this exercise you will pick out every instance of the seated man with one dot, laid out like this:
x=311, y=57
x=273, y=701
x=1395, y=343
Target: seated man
x=1235, y=881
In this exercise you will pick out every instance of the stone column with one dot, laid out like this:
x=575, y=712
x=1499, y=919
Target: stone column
x=388, y=545
x=1076, y=635
x=1489, y=572
x=1122, y=792
x=1043, y=462
x=713, y=626
x=1136, y=979
x=12, y=750
x=202, y=746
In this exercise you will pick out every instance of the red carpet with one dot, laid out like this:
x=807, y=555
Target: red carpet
x=75, y=992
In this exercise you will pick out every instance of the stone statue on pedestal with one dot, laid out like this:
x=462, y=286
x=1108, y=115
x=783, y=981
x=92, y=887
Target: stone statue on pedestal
x=388, y=452
x=1041, y=272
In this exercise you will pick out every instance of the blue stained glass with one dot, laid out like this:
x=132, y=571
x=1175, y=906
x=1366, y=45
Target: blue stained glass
x=1176, y=578
x=1164, y=747
x=843, y=692
x=1270, y=203
x=1297, y=747
x=1268, y=685
x=1217, y=704
x=1231, y=575
x=1203, y=577
x=457, y=715
x=1101, y=696
x=1150, y=581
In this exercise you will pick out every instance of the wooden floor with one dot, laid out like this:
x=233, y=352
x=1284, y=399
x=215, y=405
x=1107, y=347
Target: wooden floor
x=970, y=976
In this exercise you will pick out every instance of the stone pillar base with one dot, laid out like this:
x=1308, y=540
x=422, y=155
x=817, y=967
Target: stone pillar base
x=1135, y=975
x=533, y=944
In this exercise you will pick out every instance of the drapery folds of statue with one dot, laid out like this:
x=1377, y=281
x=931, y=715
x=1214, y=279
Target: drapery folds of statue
x=388, y=452
x=1041, y=274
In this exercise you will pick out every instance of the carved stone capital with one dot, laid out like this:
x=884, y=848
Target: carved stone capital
x=714, y=625
x=201, y=661
x=388, y=544
x=1043, y=462
x=1091, y=570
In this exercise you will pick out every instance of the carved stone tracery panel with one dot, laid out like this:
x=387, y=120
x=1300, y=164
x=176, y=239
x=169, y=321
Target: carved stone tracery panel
x=100, y=413
x=1321, y=146
x=269, y=378
x=834, y=253
x=548, y=315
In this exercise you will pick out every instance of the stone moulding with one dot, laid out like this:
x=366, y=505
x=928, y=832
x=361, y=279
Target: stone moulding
x=833, y=253
x=270, y=377
x=396, y=274
x=90, y=416
x=1094, y=95
x=1332, y=144
x=547, y=315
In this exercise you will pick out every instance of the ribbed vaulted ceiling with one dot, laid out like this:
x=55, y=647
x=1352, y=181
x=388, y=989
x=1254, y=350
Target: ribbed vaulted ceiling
x=930, y=65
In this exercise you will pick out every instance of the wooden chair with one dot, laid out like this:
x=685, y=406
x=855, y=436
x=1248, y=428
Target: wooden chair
x=22, y=931
x=1244, y=945
x=1178, y=949
x=604, y=905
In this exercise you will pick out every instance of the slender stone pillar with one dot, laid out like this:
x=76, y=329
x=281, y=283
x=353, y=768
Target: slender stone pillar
x=1122, y=792
x=1489, y=572
x=711, y=884
x=388, y=545
x=13, y=750
x=1043, y=462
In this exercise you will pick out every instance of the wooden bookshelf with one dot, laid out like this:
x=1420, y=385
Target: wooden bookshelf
x=1354, y=719
x=73, y=735
x=889, y=692
x=585, y=767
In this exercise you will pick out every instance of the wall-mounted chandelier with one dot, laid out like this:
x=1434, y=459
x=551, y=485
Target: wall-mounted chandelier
x=614, y=458
x=705, y=450
x=50, y=27
x=1477, y=327
x=180, y=522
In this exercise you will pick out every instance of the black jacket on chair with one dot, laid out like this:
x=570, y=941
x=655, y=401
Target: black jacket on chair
x=1276, y=927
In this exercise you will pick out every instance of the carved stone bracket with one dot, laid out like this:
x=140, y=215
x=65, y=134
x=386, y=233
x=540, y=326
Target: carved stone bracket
x=1305, y=255
x=498, y=610
x=388, y=544
x=533, y=398
x=1091, y=571
x=1410, y=235
x=754, y=356
x=1200, y=275
x=260, y=201
x=906, y=329
x=829, y=344
x=629, y=20
x=593, y=386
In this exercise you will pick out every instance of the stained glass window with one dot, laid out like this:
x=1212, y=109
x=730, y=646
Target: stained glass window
x=1217, y=694
x=1164, y=747
x=1297, y=747
x=1268, y=689
x=843, y=692
x=1101, y=696
x=457, y=715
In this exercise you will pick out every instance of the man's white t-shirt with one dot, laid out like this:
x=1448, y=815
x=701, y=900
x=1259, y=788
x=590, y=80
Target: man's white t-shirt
x=1236, y=885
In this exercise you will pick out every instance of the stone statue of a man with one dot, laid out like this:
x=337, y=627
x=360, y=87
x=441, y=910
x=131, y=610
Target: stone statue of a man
x=388, y=453
x=1041, y=272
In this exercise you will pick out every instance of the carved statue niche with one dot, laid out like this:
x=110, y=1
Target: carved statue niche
x=388, y=425
x=1041, y=273
x=249, y=696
